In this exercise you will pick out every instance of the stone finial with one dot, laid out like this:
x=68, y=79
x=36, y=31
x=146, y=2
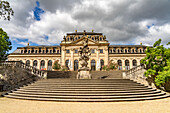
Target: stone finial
x=141, y=43
x=28, y=44
x=84, y=30
x=76, y=30
x=104, y=37
x=92, y=30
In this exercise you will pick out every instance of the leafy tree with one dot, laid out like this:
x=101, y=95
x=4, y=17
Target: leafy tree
x=5, y=45
x=5, y=10
x=56, y=65
x=156, y=62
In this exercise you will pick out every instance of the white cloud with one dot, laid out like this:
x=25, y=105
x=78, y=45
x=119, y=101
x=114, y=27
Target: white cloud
x=122, y=21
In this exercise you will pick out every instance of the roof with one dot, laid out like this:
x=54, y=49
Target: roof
x=84, y=33
x=128, y=46
x=41, y=46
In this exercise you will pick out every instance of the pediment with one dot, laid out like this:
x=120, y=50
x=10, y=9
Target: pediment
x=80, y=41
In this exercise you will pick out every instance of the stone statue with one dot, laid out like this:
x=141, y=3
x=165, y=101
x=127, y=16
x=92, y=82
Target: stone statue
x=84, y=54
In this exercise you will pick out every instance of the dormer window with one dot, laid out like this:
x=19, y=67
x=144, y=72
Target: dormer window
x=67, y=51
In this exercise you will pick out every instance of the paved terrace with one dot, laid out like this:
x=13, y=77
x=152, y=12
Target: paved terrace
x=8, y=105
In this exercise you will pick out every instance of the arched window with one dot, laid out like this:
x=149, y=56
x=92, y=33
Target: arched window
x=118, y=51
x=58, y=51
x=35, y=63
x=50, y=65
x=42, y=65
x=100, y=38
x=111, y=51
x=76, y=65
x=92, y=38
x=76, y=38
x=119, y=62
x=127, y=67
x=134, y=63
x=68, y=39
x=140, y=50
x=93, y=65
x=66, y=63
x=133, y=51
x=125, y=50
x=28, y=63
x=101, y=63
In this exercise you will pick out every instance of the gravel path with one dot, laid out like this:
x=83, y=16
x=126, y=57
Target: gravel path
x=8, y=105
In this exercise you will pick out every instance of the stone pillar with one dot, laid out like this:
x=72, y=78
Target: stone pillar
x=106, y=56
x=38, y=63
x=138, y=62
x=31, y=62
x=46, y=64
x=123, y=64
x=72, y=59
x=63, y=57
x=130, y=63
x=97, y=59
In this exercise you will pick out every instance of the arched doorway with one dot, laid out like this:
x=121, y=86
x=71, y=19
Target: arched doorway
x=66, y=63
x=134, y=62
x=42, y=65
x=101, y=63
x=76, y=65
x=93, y=65
x=49, y=65
x=35, y=63
x=119, y=62
x=127, y=67
x=27, y=63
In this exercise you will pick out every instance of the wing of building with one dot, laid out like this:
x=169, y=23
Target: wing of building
x=43, y=57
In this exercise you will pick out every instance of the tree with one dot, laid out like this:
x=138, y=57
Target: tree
x=5, y=10
x=5, y=45
x=56, y=65
x=155, y=62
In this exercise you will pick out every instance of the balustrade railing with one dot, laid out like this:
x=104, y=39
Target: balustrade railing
x=134, y=70
x=28, y=68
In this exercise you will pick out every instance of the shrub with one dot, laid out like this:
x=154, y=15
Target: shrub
x=56, y=65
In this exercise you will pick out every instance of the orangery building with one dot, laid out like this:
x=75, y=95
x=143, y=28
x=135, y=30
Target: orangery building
x=43, y=57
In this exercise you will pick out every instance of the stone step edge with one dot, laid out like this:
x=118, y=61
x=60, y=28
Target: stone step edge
x=90, y=100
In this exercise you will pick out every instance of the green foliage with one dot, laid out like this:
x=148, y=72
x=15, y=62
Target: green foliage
x=5, y=45
x=56, y=65
x=5, y=10
x=157, y=63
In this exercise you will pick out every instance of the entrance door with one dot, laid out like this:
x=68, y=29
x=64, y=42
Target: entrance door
x=93, y=65
x=76, y=65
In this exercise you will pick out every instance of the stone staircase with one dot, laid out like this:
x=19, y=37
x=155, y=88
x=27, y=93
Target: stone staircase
x=94, y=74
x=94, y=90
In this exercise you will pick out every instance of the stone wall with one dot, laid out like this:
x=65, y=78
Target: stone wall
x=137, y=75
x=12, y=77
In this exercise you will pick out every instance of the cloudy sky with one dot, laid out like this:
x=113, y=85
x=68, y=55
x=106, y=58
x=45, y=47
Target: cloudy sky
x=45, y=22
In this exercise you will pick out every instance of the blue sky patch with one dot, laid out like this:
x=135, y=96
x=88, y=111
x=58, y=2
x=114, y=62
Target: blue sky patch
x=38, y=11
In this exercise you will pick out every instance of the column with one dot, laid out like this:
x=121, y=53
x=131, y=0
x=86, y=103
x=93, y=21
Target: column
x=46, y=64
x=138, y=62
x=38, y=63
x=130, y=63
x=63, y=57
x=123, y=64
x=72, y=59
x=31, y=62
x=106, y=56
x=97, y=59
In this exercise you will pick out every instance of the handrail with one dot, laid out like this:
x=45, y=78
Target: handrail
x=134, y=69
x=20, y=64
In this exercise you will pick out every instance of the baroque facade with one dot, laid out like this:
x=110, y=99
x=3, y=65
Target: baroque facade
x=43, y=57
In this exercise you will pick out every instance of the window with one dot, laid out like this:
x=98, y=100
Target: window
x=101, y=50
x=39, y=50
x=58, y=51
x=21, y=51
x=42, y=65
x=125, y=50
x=54, y=50
x=35, y=51
x=28, y=51
x=76, y=51
x=46, y=50
x=134, y=63
x=27, y=63
x=119, y=64
x=50, y=65
x=93, y=51
x=127, y=67
x=35, y=63
x=67, y=51
x=32, y=51
x=43, y=51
